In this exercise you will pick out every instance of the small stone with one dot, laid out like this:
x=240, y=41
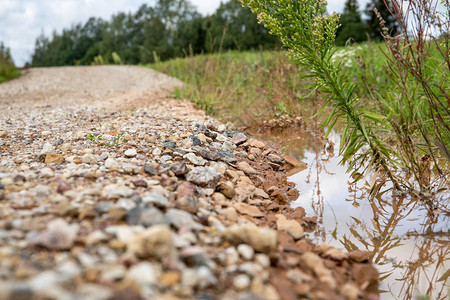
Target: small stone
x=228, y=146
x=140, y=183
x=231, y=256
x=227, y=157
x=96, y=237
x=335, y=254
x=179, y=168
x=294, y=162
x=290, y=226
x=47, y=172
x=130, y=153
x=54, y=159
x=58, y=236
x=263, y=260
x=186, y=198
x=275, y=158
x=227, y=189
x=169, y=145
x=193, y=256
x=261, y=239
x=297, y=276
x=156, y=198
x=360, y=256
x=170, y=278
x=144, y=273
x=231, y=214
x=246, y=168
x=198, y=161
x=181, y=219
x=241, y=282
x=115, y=191
x=47, y=148
x=89, y=159
x=63, y=187
x=255, y=143
x=111, y=163
x=260, y=193
x=156, y=241
x=239, y=138
x=245, y=251
x=150, y=169
x=204, y=176
x=145, y=216
x=247, y=209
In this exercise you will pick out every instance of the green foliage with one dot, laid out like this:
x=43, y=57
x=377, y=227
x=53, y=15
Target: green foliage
x=116, y=58
x=414, y=105
x=169, y=28
x=352, y=28
x=7, y=69
x=237, y=86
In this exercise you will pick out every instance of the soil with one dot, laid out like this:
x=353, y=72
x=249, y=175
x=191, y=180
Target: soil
x=110, y=189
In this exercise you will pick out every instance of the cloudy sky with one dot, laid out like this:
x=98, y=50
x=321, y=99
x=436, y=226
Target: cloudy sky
x=22, y=21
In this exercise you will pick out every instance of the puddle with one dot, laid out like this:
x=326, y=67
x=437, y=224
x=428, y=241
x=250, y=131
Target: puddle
x=411, y=250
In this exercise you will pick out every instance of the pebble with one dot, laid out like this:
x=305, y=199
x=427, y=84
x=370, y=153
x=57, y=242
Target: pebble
x=156, y=241
x=198, y=161
x=59, y=235
x=130, y=153
x=204, y=176
x=245, y=251
x=111, y=163
x=246, y=168
x=261, y=239
x=241, y=282
x=144, y=273
x=239, y=138
x=89, y=159
x=290, y=226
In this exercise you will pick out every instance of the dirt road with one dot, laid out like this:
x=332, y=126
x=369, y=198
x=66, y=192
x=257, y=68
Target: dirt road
x=109, y=189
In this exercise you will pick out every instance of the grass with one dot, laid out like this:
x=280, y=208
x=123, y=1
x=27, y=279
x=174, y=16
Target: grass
x=7, y=69
x=247, y=88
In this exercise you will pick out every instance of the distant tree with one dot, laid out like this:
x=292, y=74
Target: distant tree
x=373, y=21
x=238, y=28
x=352, y=28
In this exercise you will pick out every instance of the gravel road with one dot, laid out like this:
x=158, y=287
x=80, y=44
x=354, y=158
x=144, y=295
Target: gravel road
x=97, y=86
x=110, y=189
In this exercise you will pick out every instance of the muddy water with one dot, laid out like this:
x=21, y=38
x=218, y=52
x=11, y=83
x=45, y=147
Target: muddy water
x=410, y=248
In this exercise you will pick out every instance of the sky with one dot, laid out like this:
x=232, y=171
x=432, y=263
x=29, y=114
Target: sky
x=22, y=21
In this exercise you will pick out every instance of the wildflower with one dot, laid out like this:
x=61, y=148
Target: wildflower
x=355, y=79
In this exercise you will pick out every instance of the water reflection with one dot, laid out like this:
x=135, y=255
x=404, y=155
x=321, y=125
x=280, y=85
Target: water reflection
x=410, y=246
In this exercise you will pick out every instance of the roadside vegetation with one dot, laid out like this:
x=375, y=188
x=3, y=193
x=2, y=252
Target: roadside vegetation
x=8, y=70
x=404, y=136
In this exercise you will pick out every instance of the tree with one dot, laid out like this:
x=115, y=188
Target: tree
x=238, y=28
x=352, y=28
x=373, y=21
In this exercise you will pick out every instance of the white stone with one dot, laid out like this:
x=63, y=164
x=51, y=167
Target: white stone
x=131, y=153
x=245, y=251
x=241, y=282
x=110, y=163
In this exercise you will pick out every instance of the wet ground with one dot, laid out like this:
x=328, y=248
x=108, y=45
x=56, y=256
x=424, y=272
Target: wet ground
x=410, y=247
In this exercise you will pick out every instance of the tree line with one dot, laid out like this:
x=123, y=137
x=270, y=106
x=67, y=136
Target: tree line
x=173, y=28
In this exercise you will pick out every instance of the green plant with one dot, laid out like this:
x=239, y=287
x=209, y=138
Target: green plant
x=7, y=69
x=309, y=35
x=116, y=58
x=415, y=107
x=98, y=60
